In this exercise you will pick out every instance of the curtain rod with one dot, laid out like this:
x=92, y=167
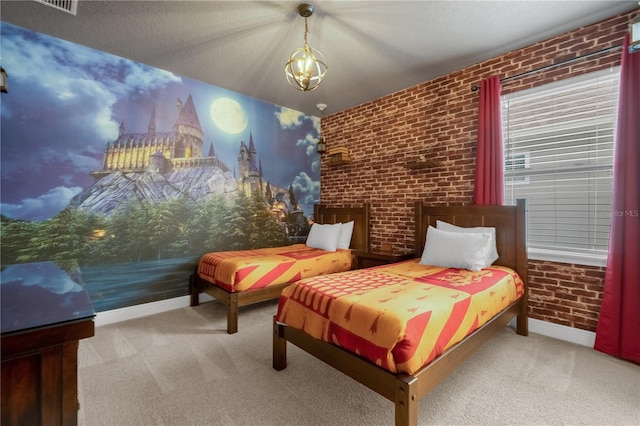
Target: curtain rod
x=475, y=88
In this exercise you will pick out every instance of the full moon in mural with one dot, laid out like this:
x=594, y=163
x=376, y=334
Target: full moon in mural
x=228, y=115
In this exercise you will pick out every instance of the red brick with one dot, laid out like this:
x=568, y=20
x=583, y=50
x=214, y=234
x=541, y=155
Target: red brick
x=438, y=118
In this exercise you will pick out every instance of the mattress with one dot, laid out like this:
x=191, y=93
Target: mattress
x=399, y=316
x=246, y=270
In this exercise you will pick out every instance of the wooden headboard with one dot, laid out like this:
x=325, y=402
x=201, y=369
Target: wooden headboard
x=509, y=221
x=360, y=216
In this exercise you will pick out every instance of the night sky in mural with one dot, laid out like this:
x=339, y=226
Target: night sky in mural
x=66, y=102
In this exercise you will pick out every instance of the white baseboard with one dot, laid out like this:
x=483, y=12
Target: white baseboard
x=562, y=332
x=137, y=311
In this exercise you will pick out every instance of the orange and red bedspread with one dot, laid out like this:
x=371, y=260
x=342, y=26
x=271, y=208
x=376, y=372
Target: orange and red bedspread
x=399, y=316
x=246, y=270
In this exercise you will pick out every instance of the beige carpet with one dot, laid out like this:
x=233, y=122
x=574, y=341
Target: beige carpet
x=181, y=368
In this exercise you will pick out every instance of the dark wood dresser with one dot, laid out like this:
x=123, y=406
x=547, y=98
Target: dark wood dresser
x=45, y=311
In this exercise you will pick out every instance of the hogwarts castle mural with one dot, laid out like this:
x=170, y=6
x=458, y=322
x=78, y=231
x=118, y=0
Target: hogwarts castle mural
x=126, y=174
x=157, y=167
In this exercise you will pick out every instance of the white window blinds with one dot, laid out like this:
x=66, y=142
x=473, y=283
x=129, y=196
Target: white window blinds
x=559, y=141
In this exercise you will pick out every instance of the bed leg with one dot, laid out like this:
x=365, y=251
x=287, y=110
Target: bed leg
x=232, y=314
x=279, y=347
x=194, y=291
x=406, y=402
x=522, y=324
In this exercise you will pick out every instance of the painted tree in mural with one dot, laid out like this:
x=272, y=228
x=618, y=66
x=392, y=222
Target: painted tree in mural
x=145, y=231
x=182, y=218
x=264, y=230
x=163, y=227
x=68, y=235
x=216, y=225
x=247, y=224
x=20, y=231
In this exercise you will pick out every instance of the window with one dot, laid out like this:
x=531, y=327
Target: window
x=558, y=141
x=517, y=162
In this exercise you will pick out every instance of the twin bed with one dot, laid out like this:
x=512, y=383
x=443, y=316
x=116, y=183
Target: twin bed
x=401, y=329
x=244, y=277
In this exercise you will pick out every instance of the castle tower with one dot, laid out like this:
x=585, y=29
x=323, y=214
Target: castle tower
x=253, y=155
x=260, y=183
x=152, y=123
x=268, y=195
x=249, y=180
x=189, y=134
x=243, y=161
x=157, y=163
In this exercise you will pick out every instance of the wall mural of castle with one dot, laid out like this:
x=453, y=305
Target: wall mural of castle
x=125, y=174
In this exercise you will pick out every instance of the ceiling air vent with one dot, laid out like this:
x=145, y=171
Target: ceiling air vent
x=69, y=6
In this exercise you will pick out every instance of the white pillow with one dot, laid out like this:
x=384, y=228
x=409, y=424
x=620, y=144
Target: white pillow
x=456, y=249
x=344, y=238
x=324, y=237
x=492, y=253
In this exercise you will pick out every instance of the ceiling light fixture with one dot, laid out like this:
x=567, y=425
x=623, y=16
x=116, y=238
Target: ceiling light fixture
x=306, y=66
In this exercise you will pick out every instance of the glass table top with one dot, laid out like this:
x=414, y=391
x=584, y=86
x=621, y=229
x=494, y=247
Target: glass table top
x=41, y=294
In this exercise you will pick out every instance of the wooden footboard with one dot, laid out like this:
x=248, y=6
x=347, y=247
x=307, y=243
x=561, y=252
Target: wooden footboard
x=233, y=301
x=400, y=388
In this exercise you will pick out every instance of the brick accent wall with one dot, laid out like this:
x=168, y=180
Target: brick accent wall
x=565, y=294
x=438, y=119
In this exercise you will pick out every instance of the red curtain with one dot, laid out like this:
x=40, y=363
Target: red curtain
x=618, y=330
x=489, y=187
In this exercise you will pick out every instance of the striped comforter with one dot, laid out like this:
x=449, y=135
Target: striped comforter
x=399, y=316
x=247, y=270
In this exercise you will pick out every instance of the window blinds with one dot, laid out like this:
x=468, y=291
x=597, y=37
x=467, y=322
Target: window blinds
x=559, y=141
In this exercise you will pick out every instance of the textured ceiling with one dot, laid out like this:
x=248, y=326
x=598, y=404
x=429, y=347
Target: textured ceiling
x=372, y=48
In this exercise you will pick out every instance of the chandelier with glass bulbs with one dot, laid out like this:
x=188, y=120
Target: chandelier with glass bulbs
x=306, y=66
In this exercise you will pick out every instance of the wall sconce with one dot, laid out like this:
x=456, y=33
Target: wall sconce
x=321, y=147
x=634, y=34
x=3, y=80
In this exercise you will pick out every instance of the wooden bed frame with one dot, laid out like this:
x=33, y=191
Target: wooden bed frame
x=234, y=300
x=403, y=389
